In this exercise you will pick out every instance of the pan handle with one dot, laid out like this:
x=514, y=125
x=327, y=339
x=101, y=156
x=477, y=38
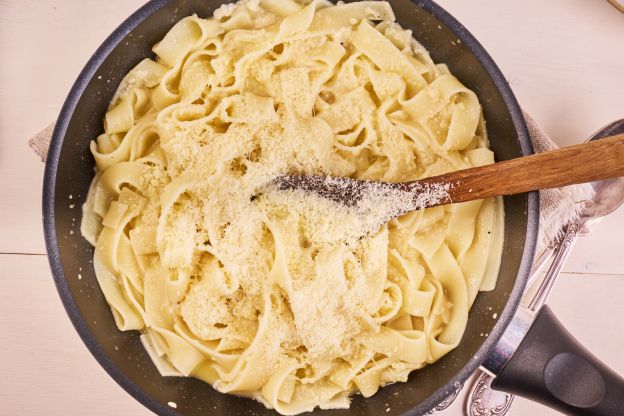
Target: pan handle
x=550, y=366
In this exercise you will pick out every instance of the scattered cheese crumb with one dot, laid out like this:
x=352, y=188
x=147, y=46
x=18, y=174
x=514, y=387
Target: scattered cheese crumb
x=225, y=10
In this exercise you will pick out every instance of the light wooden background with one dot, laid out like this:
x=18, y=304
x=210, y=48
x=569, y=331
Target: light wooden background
x=563, y=58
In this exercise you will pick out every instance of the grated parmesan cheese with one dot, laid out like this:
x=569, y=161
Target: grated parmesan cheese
x=297, y=294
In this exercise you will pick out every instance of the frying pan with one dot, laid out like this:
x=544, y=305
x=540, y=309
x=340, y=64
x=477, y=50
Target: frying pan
x=535, y=369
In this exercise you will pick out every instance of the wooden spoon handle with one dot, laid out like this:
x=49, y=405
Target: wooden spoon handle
x=585, y=162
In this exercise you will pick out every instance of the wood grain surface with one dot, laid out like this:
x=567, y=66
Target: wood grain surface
x=562, y=58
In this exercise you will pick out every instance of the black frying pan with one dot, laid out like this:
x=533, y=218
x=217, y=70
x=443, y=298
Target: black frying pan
x=536, y=368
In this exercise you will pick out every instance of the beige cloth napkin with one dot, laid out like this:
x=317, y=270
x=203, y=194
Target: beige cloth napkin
x=40, y=142
x=558, y=206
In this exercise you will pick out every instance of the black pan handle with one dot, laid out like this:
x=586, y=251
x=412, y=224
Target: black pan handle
x=550, y=366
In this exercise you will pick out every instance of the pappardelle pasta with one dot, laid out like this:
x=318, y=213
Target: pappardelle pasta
x=273, y=295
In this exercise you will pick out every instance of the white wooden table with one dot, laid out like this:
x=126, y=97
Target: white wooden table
x=563, y=58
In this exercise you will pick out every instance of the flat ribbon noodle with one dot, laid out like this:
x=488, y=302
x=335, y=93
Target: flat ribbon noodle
x=278, y=295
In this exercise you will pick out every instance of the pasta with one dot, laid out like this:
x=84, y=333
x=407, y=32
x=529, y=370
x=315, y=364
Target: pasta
x=273, y=294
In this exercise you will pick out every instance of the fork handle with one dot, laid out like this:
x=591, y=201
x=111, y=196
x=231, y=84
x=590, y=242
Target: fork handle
x=563, y=252
x=587, y=162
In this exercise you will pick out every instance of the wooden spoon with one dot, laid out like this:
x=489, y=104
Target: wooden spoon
x=585, y=162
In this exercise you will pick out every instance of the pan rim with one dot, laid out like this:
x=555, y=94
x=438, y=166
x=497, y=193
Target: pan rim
x=49, y=221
